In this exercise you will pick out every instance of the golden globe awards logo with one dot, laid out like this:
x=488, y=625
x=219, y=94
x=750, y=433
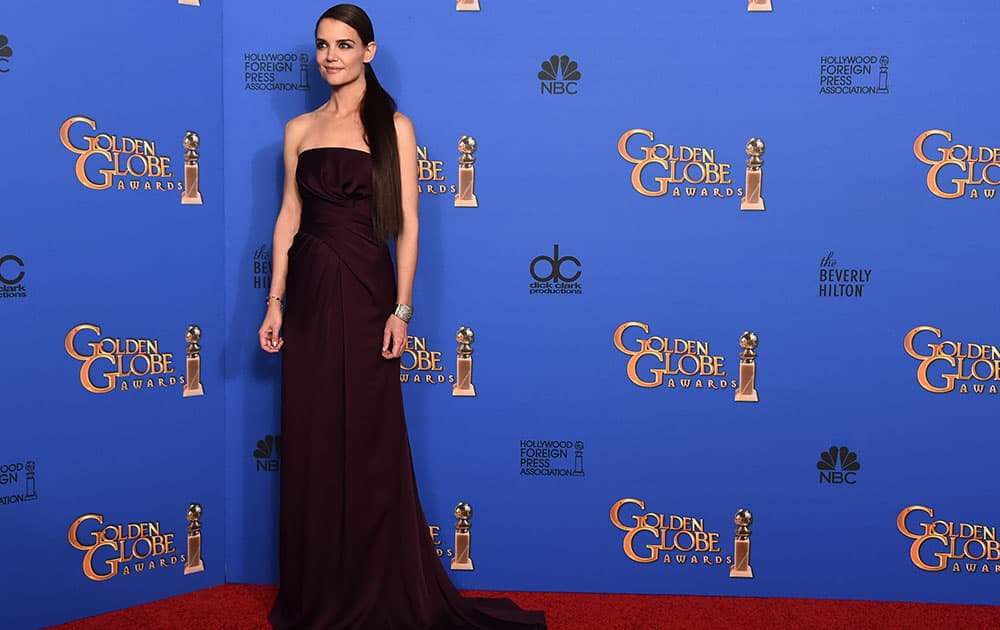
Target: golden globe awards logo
x=432, y=177
x=675, y=170
x=958, y=170
x=457, y=547
x=123, y=364
x=939, y=544
x=947, y=366
x=666, y=538
x=122, y=549
x=441, y=547
x=421, y=363
x=670, y=362
x=109, y=160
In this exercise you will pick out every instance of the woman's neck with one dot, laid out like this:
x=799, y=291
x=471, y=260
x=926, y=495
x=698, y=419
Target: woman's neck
x=345, y=100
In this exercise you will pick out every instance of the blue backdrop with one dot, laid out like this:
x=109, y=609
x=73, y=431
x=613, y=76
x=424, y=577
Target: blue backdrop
x=591, y=464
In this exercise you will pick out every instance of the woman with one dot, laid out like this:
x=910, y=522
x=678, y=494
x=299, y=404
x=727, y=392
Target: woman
x=355, y=549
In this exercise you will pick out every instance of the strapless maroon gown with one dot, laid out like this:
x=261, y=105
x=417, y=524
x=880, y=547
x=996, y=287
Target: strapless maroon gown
x=355, y=551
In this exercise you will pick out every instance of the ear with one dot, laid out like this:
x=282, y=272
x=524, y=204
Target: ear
x=370, y=51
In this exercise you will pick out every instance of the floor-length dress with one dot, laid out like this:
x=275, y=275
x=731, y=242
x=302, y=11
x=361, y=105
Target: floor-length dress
x=355, y=551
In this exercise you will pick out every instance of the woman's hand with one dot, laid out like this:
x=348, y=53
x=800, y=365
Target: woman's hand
x=268, y=333
x=393, y=338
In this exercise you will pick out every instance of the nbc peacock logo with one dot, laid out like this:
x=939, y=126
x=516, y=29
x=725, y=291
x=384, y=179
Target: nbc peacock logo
x=268, y=453
x=6, y=52
x=559, y=75
x=838, y=465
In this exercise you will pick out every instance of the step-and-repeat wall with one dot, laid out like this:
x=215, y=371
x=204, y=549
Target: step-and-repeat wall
x=112, y=477
x=725, y=270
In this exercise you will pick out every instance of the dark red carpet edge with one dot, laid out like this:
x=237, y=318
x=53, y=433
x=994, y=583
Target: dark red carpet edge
x=240, y=606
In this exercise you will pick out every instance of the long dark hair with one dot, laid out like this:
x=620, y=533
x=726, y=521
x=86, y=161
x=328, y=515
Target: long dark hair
x=377, y=110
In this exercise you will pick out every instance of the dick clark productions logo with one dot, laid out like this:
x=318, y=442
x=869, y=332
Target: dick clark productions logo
x=11, y=275
x=555, y=274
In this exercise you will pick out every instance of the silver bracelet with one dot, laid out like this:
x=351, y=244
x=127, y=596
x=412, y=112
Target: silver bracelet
x=404, y=312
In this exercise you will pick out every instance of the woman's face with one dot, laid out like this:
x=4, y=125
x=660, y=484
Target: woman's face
x=339, y=52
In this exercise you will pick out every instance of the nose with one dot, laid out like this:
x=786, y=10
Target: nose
x=331, y=53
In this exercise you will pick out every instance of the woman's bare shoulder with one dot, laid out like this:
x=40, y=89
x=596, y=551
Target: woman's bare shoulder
x=300, y=122
x=297, y=128
x=402, y=123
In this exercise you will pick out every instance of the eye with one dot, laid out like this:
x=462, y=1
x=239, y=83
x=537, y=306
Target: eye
x=320, y=45
x=346, y=45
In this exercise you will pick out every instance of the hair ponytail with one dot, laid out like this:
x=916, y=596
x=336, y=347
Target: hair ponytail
x=377, y=118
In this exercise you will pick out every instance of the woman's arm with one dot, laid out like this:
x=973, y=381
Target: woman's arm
x=406, y=240
x=285, y=228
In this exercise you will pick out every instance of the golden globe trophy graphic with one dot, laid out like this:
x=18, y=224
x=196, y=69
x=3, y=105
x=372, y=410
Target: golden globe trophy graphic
x=466, y=196
x=883, y=75
x=462, y=560
x=194, y=564
x=751, y=198
x=466, y=5
x=759, y=5
x=463, y=381
x=741, y=554
x=191, y=194
x=30, y=488
x=747, y=390
x=193, y=385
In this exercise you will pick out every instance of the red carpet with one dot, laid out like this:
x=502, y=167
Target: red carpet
x=238, y=606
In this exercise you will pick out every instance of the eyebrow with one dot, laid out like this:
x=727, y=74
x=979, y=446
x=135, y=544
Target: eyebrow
x=349, y=41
